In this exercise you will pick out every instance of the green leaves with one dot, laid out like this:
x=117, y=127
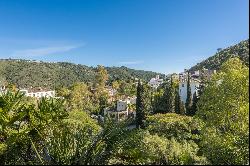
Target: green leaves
x=224, y=109
x=24, y=127
x=173, y=125
x=240, y=50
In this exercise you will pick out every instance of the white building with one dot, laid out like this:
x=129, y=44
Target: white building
x=2, y=89
x=155, y=82
x=122, y=110
x=111, y=91
x=194, y=85
x=122, y=105
x=38, y=94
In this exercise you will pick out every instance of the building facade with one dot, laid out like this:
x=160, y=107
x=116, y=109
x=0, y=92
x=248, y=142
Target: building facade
x=155, y=82
x=38, y=94
x=194, y=85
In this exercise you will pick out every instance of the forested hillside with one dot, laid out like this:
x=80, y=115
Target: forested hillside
x=26, y=73
x=214, y=62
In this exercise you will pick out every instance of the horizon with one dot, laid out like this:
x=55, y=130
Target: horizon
x=94, y=66
x=159, y=36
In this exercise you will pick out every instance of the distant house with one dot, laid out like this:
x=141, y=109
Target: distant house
x=38, y=93
x=195, y=77
x=2, y=89
x=155, y=82
x=194, y=85
x=111, y=91
x=207, y=74
x=122, y=110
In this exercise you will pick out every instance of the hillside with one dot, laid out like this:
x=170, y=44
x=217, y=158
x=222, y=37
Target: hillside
x=214, y=62
x=26, y=73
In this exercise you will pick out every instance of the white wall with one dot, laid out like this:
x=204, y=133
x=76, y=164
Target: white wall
x=121, y=105
x=183, y=89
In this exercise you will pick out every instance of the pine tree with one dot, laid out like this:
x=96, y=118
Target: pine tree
x=188, y=103
x=140, y=106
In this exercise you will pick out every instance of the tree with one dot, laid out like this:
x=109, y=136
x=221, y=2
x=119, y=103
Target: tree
x=188, y=103
x=115, y=85
x=80, y=98
x=139, y=147
x=12, y=87
x=182, y=108
x=170, y=93
x=63, y=92
x=67, y=142
x=140, y=106
x=159, y=101
x=169, y=125
x=101, y=76
x=177, y=102
x=24, y=127
x=194, y=104
x=219, y=49
x=223, y=109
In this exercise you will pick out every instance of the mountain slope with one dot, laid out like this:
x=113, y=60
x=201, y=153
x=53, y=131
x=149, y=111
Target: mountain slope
x=214, y=62
x=25, y=73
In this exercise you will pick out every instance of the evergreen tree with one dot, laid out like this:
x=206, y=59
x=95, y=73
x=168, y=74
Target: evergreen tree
x=140, y=106
x=188, y=103
x=170, y=97
x=159, y=101
x=177, y=101
x=194, y=104
x=182, y=108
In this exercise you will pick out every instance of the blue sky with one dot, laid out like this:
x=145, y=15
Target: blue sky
x=158, y=35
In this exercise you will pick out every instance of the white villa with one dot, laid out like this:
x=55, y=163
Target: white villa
x=194, y=85
x=122, y=110
x=155, y=82
x=2, y=89
x=39, y=93
x=194, y=81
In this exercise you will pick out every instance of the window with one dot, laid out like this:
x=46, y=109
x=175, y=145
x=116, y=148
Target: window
x=182, y=85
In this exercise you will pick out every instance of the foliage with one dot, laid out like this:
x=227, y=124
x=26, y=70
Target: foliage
x=170, y=125
x=71, y=139
x=104, y=143
x=27, y=73
x=126, y=74
x=193, y=108
x=188, y=103
x=101, y=76
x=140, y=106
x=23, y=127
x=79, y=97
x=224, y=111
x=159, y=102
x=127, y=88
x=240, y=50
x=141, y=148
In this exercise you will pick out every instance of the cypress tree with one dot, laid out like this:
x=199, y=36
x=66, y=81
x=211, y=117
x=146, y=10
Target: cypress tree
x=194, y=104
x=189, y=97
x=177, y=101
x=170, y=97
x=182, y=108
x=140, y=106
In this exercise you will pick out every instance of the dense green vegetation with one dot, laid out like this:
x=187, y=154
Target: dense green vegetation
x=28, y=74
x=212, y=128
x=224, y=111
x=61, y=131
x=240, y=50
